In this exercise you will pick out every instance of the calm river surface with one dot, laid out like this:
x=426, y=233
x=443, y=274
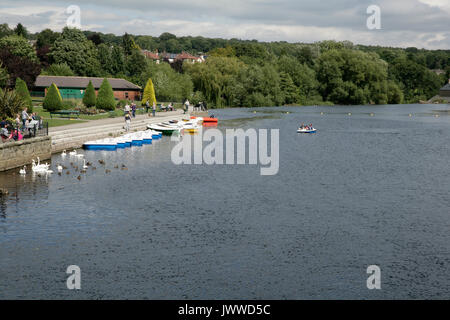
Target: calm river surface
x=365, y=190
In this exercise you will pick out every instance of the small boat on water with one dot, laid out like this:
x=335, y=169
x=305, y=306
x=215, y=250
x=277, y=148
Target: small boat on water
x=165, y=129
x=210, y=120
x=306, y=130
x=104, y=144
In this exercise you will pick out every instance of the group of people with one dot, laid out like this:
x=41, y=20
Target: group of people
x=307, y=127
x=23, y=123
x=201, y=106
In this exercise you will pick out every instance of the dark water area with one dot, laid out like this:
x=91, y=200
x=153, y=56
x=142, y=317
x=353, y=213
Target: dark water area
x=367, y=189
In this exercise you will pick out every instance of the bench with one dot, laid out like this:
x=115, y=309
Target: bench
x=65, y=114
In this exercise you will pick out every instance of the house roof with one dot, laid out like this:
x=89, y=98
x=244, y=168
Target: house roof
x=446, y=87
x=186, y=56
x=151, y=55
x=82, y=82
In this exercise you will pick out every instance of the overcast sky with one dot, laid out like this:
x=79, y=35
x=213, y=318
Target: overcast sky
x=419, y=23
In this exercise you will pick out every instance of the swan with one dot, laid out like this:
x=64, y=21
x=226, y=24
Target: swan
x=60, y=168
x=80, y=156
x=73, y=153
x=84, y=164
x=39, y=167
x=23, y=171
x=64, y=153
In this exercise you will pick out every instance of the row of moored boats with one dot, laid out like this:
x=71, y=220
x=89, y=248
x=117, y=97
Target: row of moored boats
x=153, y=132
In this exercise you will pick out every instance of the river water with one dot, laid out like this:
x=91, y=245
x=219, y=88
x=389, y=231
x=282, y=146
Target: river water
x=367, y=189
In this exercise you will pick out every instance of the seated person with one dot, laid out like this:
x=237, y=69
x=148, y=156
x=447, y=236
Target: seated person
x=4, y=132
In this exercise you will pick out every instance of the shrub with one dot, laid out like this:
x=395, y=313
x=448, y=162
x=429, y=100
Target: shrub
x=122, y=103
x=149, y=93
x=11, y=103
x=89, y=98
x=59, y=69
x=53, y=101
x=105, y=97
x=22, y=91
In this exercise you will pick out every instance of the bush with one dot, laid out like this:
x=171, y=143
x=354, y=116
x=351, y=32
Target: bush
x=105, y=97
x=89, y=96
x=22, y=91
x=149, y=93
x=71, y=104
x=197, y=97
x=122, y=103
x=53, y=101
x=61, y=69
x=11, y=103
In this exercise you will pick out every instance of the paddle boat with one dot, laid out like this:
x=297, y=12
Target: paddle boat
x=165, y=129
x=104, y=144
x=210, y=120
x=306, y=130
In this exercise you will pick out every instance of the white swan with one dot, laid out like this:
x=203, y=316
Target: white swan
x=84, y=165
x=23, y=171
x=73, y=153
x=64, y=153
x=60, y=168
x=39, y=167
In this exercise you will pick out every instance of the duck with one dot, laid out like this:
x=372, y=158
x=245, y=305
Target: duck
x=23, y=171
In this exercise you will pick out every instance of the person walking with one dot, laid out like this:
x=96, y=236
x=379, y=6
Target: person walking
x=154, y=109
x=186, y=106
x=133, y=109
x=127, y=121
x=147, y=106
x=127, y=108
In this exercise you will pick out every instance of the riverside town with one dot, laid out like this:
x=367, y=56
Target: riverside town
x=225, y=159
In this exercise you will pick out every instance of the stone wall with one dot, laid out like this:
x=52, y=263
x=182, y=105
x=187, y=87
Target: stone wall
x=20, y=153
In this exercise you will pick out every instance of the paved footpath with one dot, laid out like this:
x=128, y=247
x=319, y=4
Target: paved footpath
x=73, y=136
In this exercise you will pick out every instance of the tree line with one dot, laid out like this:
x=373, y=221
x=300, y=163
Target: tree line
x=236, y=73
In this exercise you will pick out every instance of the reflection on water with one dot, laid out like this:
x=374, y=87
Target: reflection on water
x=366, y=189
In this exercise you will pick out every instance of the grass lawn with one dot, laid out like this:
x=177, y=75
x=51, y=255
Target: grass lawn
x=61, y=122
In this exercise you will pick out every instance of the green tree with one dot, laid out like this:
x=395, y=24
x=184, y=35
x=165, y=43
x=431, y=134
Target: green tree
x=149, y=93
x=135, y=63
x=89, y=98
x=4, y=76
x=73, y=48
x=11, y=103
x=19, y=46
x=59, y=69
x=105, y=59
x=46, y=38
x=52, y=100
x=128, y=44
x=117, y=60
x=288, y=88
x=5, y=30
x=21, y=31
x=105, y=97
x=22, y=90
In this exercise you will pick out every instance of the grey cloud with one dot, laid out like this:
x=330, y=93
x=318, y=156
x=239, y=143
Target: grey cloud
x=403, y=21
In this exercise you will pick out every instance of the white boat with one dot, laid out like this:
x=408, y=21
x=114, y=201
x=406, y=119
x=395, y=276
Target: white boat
x=165, y=129
x=104, y=144
x=305, y=130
